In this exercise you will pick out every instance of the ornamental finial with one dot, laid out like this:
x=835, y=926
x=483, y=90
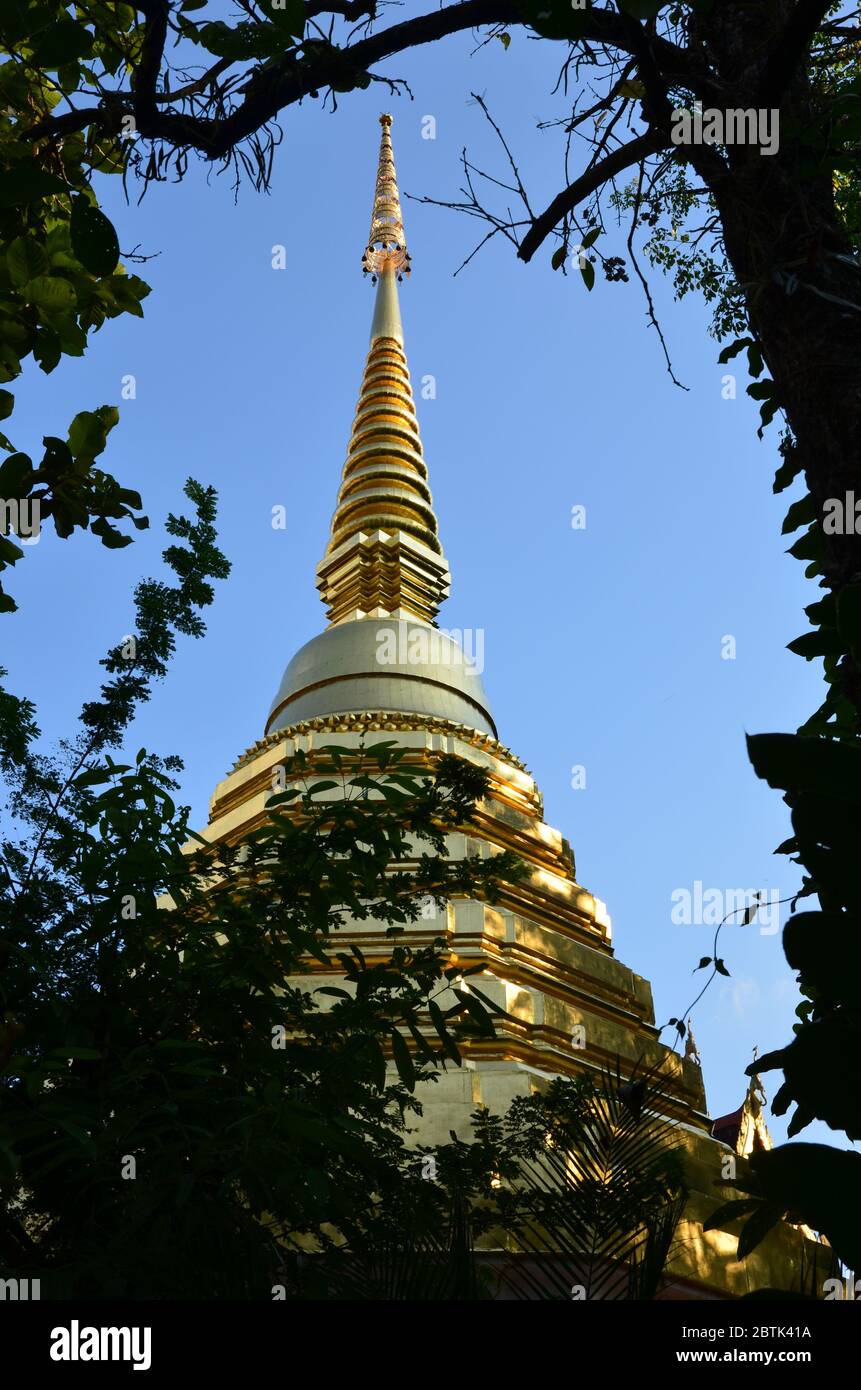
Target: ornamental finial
x=387, y=245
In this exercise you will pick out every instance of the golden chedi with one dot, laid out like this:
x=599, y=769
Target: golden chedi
x=383, y=668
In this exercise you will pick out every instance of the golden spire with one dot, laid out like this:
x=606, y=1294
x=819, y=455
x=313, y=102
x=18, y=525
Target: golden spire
x=384, y=558
x=387, y=244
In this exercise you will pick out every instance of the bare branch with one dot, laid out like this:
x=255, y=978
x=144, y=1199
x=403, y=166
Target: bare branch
x=653, y=318
x=519, y=182
x=565, y=202
x=199, y=85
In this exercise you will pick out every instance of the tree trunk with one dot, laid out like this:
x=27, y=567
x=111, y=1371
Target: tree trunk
x=786, y=243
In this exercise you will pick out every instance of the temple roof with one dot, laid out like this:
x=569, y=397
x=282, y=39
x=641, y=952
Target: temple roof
x=745, y=1130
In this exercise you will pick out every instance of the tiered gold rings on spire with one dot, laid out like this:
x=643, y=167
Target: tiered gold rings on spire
x=384, y=557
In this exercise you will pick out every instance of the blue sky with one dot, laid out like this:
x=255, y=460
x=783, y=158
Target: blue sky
x=602, y=646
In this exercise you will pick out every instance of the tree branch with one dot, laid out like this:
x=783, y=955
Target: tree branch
x=567, y=200
x=146, y=74
x=289, y=80
x=347, y=9
x=198, y=85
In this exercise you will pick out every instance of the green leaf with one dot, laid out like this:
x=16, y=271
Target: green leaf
x=449, y=1045
x=7, y=404
x=403, y=1061
x=88, y=432
x=46, y=349
x=819, y=1185
x=757, y=1228
x=25, y=184
x=16, y=473
x=730, y=1211
x=288, y=15
x=94, y=240
x=825, y=949
x=377, y=1058
x=110, y=537
x=10, y=553
x=25, y=258
x=61, y=43
x=762, y=390
x=790, y=762
x=808, y=546
x=755, y=363
x=733, y=349
x=767, y=412
x=555, y=19
x=244, y=41
x=476, y=1011
x=823, y=642
x=487, y=1002
x=587, y=270
x=94, y=777
x=51, y=293
x=788, y=471
x=801, y=513
x=558, y=257
x=848, y=617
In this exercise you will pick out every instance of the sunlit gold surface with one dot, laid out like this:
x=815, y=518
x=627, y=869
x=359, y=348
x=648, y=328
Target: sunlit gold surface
x=384, y=556
x=544, y=948
x=387, y=243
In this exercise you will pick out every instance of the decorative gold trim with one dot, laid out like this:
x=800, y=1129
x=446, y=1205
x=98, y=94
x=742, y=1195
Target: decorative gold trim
x=383, y=721
x=387, y=242
x=384, y=554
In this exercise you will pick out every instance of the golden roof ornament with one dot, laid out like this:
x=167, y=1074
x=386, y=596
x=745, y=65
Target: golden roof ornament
x=692, y=1052
x=384, y=557
x=387, y=243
